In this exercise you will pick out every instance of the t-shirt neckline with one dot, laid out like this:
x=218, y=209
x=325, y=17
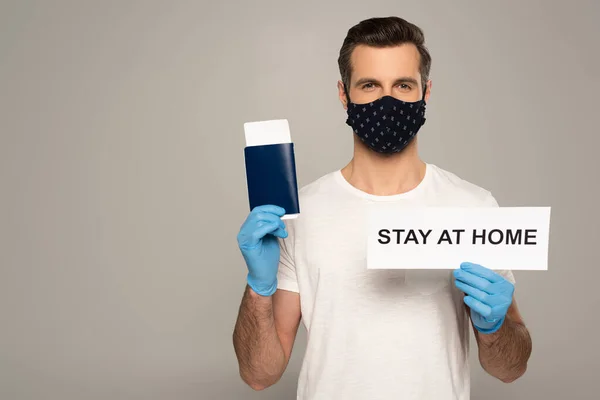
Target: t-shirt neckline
x=372, y=197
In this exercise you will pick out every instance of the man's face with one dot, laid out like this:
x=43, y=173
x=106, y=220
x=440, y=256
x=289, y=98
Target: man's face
x=387, y=71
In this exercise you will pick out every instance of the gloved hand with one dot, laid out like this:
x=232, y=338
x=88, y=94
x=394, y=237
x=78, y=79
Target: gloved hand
x=489, y=295
x=259, y=245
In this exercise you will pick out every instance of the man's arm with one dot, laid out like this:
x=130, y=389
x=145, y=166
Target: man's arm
x=504, y=342
x=504, y=353
x=268, y=318
x=264, y=335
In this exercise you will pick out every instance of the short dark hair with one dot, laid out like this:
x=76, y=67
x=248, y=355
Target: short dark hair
x=383, y=32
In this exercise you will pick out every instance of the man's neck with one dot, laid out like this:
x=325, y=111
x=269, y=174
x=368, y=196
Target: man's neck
x=382, y=174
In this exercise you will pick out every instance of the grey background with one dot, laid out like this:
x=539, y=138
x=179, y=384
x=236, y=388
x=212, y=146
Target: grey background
x=123, y=187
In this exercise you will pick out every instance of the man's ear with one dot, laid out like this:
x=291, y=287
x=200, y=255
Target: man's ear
x=342, y=95
x=427, y=90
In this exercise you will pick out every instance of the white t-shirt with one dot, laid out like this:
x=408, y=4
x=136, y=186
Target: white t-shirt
x=375, y=334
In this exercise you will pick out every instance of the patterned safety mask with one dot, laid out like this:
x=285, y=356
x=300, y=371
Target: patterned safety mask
x=386, y=125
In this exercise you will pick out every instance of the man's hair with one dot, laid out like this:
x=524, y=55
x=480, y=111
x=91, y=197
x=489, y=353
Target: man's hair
x=383, y=32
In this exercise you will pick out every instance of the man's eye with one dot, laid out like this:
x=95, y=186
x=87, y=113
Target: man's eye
x=367, y=86
x=404, y=86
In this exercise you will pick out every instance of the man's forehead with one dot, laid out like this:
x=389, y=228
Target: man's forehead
x=402, y=60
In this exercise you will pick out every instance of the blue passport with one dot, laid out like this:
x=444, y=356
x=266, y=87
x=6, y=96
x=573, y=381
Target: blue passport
x=271, y=177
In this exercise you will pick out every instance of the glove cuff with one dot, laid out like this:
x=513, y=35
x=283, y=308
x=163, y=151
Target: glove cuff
x=492, y=329
x=262, y=289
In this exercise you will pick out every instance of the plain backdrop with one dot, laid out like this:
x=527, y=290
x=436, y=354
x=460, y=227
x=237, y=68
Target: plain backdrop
x=123, y=186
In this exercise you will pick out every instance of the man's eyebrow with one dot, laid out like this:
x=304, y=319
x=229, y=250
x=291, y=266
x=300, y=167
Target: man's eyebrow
x=362, y=81
x=406, y=79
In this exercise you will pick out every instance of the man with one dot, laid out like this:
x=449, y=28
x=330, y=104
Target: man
x=373, y=334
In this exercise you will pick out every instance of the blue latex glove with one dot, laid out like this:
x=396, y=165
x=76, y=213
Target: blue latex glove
x=489, y=295
x=259, y=245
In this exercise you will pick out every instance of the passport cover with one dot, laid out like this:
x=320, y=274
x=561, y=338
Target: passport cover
x=271, y=176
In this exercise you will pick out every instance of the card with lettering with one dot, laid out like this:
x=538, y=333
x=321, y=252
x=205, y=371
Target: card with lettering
x=514, y=238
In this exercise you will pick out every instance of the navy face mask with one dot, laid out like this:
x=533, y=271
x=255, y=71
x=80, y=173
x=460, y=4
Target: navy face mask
x=386, y=125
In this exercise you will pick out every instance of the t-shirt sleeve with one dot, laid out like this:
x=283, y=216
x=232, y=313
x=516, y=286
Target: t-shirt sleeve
x=490, y=201
x=286, y=275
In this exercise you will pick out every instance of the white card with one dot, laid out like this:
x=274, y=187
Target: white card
x=267, y=132
x=514, y=238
